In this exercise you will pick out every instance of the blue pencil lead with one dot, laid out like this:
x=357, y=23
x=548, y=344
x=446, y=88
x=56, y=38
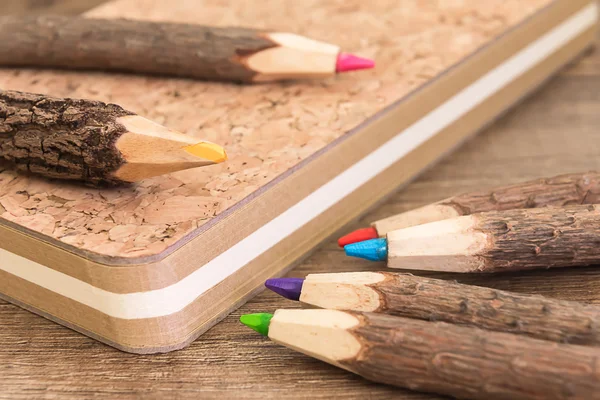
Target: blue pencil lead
x=374, y=249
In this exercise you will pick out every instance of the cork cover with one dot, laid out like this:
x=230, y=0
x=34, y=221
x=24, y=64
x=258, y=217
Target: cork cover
x=267, y=129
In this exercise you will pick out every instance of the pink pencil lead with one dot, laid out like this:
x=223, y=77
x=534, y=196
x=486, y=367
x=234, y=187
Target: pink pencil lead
x=350, y=62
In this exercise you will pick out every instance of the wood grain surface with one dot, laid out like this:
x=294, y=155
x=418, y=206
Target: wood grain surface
x=553, y=132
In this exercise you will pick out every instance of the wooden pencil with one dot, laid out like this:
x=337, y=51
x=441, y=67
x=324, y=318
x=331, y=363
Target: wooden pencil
x=410, y=296
x=185, y=50
x=562, y=190
x=437, y=357
x=92, y=141
x=494, y=241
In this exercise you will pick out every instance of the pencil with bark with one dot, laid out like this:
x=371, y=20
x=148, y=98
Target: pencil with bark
x=428, y=299
x=436, y=357
x=175, y=49
x=562, y=190
x=92, y=141
x=493, y=241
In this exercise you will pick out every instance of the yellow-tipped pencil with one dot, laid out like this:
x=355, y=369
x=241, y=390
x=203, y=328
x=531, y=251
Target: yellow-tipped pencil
x=92, y=141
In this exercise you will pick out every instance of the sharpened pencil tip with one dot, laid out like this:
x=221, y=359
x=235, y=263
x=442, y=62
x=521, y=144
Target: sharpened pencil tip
x=350, y=62
x=358, y=235
x=373, y=250
x=290, y=288
x=259, y=322
x=208, y=151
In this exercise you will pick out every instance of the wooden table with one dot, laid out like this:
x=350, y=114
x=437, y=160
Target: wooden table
x=555, y=131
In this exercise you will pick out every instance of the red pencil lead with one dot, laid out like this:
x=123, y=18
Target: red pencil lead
x=350, y=62
x=358, y=235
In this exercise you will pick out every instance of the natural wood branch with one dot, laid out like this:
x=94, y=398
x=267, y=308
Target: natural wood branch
x=563, y=190
x=91, y=141
x=186, y=50
x=500, y=241
x=546, y=238
x=423, y=298
x=127, y=45
x=442, y=358
x=471, y=363
x=60, y=138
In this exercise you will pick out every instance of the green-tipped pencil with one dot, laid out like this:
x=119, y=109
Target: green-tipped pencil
x=436, y=357
x=259, y=322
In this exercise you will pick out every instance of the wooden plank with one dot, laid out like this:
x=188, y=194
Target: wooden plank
x=553, y=132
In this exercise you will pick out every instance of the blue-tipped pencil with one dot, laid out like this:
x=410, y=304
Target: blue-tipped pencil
x=494, y=241
x=372, y=250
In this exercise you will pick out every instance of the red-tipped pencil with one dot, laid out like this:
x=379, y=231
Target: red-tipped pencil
x=582, y=188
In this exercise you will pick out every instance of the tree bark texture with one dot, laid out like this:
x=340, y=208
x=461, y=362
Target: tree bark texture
x=561, y=190
x=411, y=296
x=471, y=363
x=61, y=138
x=541, y=238
x=162, y=48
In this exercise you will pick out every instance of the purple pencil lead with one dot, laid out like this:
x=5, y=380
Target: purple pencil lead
x=290, y=288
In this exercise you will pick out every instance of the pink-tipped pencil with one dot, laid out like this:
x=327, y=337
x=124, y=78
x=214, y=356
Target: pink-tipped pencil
x=163, y=48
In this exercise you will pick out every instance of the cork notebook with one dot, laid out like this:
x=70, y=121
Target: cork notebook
x=148, y=268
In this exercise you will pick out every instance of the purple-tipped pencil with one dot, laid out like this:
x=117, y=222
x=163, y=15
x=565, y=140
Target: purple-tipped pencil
x=290, y=288
x=409, y=296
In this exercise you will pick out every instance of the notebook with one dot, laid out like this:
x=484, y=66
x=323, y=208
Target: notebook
x=149, y=268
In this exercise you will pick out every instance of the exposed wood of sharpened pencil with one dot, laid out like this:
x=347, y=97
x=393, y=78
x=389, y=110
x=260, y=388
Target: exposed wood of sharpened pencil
x=187, y=50
x=412, y=296
x=562, y=190
x=92, y=141
x=500, y=241
x=441, y=358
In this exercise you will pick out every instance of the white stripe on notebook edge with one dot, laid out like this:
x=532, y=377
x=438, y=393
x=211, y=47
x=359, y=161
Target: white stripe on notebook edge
x=174, y=298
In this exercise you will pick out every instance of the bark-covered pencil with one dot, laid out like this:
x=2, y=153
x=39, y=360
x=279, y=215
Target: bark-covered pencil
x=92, y=141
x=437, y=357
x=562, y=190
x=186, y=50
x=493, y=241
x=410, y=296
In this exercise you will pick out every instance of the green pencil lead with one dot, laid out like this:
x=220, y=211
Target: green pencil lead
x=259, y=322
